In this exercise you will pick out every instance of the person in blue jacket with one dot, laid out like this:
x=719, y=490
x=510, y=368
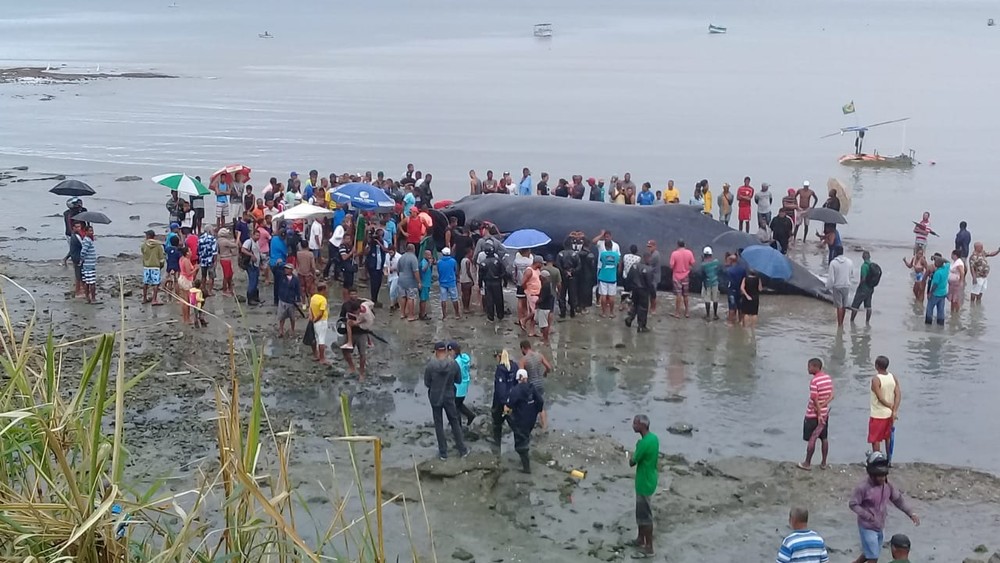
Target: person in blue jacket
x=503, y=380
x=462, y=389
x=523, y=405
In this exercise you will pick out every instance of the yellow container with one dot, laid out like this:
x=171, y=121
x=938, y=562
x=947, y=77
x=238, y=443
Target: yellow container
x=577, y=474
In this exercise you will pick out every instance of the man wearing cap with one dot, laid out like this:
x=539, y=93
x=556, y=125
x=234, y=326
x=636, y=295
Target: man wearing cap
x=807, y=200
x=447, y=269
x=640, y=281
x=153, y=260
x=899, y=546
x=870, y=502
x=763, y=201
x=289, y=294
x=522, y=408
x=441, y=375
x=710, y=269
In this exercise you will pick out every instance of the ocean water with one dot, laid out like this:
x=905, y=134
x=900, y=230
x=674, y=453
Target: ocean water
x=635, y=86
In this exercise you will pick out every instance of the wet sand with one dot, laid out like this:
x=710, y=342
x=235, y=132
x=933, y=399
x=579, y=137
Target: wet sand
x=604, y=374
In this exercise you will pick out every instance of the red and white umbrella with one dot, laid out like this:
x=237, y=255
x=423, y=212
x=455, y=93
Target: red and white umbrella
x=232, y=170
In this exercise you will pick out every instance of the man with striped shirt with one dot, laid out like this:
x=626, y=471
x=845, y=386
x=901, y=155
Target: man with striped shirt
x=802, y=545
x=817, y=421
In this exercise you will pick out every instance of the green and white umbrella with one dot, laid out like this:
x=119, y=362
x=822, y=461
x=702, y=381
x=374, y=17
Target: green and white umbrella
x=182, y=184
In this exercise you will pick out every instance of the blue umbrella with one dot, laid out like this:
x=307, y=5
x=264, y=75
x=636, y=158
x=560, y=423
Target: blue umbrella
x=363, y=196
x=526, y=238
x=768, y=261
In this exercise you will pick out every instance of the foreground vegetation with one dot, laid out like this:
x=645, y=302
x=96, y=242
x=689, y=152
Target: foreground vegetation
x=64, y=495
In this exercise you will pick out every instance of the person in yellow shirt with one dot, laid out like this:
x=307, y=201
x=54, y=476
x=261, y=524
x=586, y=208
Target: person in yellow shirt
x=319, y=316
x=706, y=194
x=671, y=194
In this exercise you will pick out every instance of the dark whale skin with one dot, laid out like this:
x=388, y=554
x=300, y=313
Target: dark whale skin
x=629, y=224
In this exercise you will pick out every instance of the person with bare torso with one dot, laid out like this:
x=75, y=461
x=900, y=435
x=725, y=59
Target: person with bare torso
x=807, y=200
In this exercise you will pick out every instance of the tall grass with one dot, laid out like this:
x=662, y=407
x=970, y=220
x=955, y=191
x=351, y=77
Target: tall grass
x=64, y=495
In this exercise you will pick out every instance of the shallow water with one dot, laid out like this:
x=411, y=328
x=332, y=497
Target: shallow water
x=631, y=85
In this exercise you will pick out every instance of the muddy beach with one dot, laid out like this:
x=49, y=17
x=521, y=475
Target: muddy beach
x=732, y=477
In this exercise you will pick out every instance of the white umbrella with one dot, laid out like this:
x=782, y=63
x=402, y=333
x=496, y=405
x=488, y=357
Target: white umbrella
x=302, y=211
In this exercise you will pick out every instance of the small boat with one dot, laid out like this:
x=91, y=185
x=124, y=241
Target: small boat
x=543, y=30
x=990, y=23
x=879, y=161
x=265, y=35
x=716, y=29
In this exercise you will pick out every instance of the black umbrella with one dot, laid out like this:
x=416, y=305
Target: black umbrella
x=733, y=240
x=73, y=188
x=91, y=217
x=826, y=215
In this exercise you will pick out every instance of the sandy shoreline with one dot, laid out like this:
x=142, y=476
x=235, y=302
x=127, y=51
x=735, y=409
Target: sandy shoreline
x=37, y=74
x=743, y=499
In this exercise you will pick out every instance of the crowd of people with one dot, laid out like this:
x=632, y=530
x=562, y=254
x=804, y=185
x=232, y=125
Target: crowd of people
x=394, y=251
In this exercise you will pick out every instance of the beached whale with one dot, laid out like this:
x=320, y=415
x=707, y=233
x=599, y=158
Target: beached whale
x=629, y=224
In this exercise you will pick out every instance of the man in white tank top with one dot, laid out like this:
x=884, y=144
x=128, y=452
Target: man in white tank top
x=885, y=397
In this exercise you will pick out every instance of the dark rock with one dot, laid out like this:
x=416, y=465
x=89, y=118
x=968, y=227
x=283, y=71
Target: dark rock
x=670, y=399
x=995, y=558
x=774, y=431
x=136, y=218
x=681, y=428
x=128, y=179
x=20, y=229
x=981, y=548
x=20, y=168
x=463, y=555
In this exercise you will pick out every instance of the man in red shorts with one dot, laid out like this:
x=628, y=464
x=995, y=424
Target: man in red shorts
x=744, y=195
x=885, y=396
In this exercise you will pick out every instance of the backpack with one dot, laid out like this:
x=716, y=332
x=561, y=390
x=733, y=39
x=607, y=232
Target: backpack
x=874, y=274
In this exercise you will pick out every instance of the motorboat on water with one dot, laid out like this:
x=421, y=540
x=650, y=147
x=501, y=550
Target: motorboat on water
x=716, y=29
x=265, y=35
x=876, y=160
x=543, y=30
x=872, y=160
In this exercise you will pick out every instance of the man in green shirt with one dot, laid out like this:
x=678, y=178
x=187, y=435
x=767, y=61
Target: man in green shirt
x=899, y=545
x=710, y=282
x=866, y=287
x=644, y=459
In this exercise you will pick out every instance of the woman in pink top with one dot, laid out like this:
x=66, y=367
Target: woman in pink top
x=185, y=282
x=532, y=288
x=264, y=244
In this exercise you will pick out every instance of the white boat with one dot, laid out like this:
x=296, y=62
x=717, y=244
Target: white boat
x=543, y=30
x=716, y=29
x=265, y=35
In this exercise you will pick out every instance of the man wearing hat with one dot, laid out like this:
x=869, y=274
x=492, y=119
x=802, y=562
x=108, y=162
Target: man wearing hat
x=522, y=408
x=153, y=260
x=447, y=269
x=899, y=546
x=870, y=502
x=441, y=375
x=289, y=293
x=710, y=269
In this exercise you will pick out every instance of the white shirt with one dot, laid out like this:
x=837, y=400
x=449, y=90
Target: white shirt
x=394, y=267
x=599, y=247
x=338, y=236
x=315, y=235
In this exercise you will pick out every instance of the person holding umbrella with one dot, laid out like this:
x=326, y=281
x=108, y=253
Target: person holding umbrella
x=74, y=206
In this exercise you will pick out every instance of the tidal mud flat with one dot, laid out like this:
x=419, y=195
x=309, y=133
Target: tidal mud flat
x=725, y=508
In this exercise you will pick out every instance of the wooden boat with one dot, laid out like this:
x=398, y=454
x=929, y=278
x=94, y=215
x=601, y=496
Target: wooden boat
x=716, y=29
x=879, y=161
x=543, y=30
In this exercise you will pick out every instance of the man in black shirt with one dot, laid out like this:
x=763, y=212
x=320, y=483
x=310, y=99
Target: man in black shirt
x=781, y=229
x=640, y=280
x=568, y=262
x=543, y=186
